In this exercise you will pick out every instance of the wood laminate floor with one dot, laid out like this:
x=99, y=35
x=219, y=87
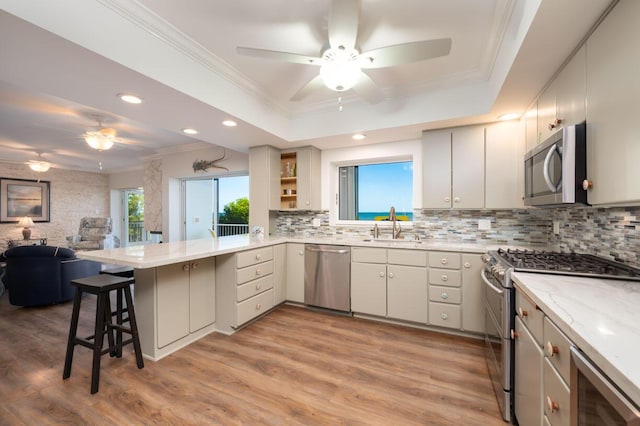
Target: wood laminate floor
x=294, y=366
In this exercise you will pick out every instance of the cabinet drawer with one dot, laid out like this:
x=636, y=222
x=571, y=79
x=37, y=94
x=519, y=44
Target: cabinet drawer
x=444, y=260
x=252, y=272
x=555, y=397
x=556, y=349
x=530, y=315
x=445, y=277
x=254, y=287
x=251, y=257
x=407, y=257
x=444, y=315
x=450, y=295
x=368, y=255
x=254, y=306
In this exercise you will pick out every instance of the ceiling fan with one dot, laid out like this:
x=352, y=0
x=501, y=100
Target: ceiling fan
x=341, y=64
x=102, y=138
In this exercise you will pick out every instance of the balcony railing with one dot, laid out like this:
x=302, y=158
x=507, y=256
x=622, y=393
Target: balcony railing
x=137, y=232
x=225, y=229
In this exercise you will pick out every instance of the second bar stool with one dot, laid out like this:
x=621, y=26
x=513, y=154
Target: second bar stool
x=101, y=286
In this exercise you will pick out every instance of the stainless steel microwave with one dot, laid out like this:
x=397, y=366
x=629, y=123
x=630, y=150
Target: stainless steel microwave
x=555, y=169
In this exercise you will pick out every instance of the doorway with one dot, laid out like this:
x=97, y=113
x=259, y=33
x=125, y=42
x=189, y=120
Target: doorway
x=133, y=232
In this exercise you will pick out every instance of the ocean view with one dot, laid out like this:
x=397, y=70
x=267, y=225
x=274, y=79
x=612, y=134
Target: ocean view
x=373, y=215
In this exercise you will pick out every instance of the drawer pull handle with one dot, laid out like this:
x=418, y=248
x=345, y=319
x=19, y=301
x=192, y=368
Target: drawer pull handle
x=444, y=261
x=456, y=199
x=552, y=405
x=301, y=253
x=522, y=312
x=194, y=265
x=390, y=274
x=185, y=268
x=258, y=286
x=444, y=316
x=467, y=265
x=258, y=272
x=444, y=296
x=514, y=334
x=258, y=306
x=551, y=349
x=258, y=256
x=444, y=278
x=381, y=274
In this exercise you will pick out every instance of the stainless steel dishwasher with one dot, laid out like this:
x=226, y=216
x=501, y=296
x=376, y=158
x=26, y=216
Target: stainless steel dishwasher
x=327, y=276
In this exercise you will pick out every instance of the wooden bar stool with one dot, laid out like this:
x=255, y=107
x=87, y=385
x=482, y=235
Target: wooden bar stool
x=125, y=272
x=101, y=286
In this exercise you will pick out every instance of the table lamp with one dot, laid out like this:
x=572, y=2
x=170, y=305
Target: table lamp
x=26, y=223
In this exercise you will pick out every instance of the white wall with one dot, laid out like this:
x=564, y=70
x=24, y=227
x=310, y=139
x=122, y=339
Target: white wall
x=333, y=158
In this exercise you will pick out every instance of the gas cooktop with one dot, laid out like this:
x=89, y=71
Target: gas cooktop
x=567, y=264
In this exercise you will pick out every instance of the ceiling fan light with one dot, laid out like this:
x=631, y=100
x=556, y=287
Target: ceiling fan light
x=340, y=76
x=99, y=140
x=40, y=166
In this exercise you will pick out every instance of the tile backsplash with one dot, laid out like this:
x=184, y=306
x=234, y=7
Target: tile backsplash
x=608, y=232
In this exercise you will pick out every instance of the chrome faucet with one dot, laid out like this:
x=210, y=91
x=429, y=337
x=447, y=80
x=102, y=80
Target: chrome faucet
x=395, y=232
x=375, y=232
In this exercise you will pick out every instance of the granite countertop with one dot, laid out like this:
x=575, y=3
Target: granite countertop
x=602, y=317
x=153, y=255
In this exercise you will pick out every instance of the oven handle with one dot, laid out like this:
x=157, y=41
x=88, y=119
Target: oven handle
x=624, y=407
x=483, y=275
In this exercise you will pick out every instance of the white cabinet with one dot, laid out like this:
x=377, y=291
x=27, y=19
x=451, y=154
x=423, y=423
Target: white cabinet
x=436, y=166
x=531, y=128
x=295, y=272
x=264, y=184
x=309, y=176
x=504, y=151
x=369, y=288
x=613, y=90
x=528, y=376
x=407, y=293
x=279, y=273
x=473, y=315
x=245, y=287
x=571, y=91
x=185, y=299
x=547, y=124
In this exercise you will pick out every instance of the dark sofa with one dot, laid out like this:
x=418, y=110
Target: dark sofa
x=41, y=275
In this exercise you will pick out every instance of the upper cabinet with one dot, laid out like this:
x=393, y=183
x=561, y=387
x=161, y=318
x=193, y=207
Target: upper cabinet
x=563, y=102
x=453, y=168
x=613, y=90
x=531, y=127
x=454, y=163
x=308, y=178
x=264, y=184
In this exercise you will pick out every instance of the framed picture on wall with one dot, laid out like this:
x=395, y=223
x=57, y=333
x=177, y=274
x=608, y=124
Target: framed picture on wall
x=21, y=197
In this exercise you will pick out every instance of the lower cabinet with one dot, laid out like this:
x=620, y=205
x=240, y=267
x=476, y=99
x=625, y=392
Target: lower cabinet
x=473, y=316
x=369, y=288
x=295, y=272
x=185, y=299
x=245, y=287
x=279, y=273
x=528, y=377
x=407, y=293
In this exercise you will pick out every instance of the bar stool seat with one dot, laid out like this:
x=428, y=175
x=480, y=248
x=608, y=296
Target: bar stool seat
x=101, y=285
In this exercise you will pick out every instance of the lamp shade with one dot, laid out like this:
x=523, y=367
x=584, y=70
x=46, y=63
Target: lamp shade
x=102, y=139
x=25, y=222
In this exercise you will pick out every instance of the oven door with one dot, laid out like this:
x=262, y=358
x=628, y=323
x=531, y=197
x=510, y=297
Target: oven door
x=498, y=342
x=594, y=399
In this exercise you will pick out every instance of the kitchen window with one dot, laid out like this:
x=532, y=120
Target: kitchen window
x=367, y=191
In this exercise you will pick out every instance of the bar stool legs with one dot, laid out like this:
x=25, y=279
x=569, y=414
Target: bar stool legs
x=101, y=285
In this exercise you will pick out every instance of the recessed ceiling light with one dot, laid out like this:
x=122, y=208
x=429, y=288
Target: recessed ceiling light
x=130, y=99
x=229, y=123
x=189, y=131
x=509, y=116
x=358, y=136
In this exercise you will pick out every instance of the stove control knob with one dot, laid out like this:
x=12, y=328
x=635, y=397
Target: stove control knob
x=501, y=272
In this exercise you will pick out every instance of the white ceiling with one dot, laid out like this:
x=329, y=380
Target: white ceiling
x=61, y=66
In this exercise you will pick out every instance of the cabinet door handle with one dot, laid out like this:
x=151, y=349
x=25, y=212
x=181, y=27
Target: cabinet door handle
x=258, y=286
x=552, y=405
x=185, y=267
x=258, y=256
x=551, y=349
x=444, y=316
x=444, y=278
x=258, y=307
x=444, y=296
x=194, y=265
x=456, y=199
x=444, y=261
x=381, y=274
x=390, y=274
x=301, y=253
x=447, y=199
x=514, y=334
x=258, y=272
x=467, y=265
x=522, y=312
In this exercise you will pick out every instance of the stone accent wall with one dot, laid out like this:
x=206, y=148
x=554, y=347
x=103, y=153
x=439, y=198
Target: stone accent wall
x=73, y=196
x=153, y=196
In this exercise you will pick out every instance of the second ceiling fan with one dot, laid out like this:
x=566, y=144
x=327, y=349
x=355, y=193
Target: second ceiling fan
x=341, y=64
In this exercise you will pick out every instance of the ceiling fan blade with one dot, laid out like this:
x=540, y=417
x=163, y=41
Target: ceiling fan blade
x=367, y=89
x=315, y=84
x=343, y=23
x=279, y=56
x=405, y=53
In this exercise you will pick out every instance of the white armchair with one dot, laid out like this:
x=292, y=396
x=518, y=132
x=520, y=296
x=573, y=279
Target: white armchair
x=95, y=233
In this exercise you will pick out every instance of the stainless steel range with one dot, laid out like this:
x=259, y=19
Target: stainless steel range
x=499, y=302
